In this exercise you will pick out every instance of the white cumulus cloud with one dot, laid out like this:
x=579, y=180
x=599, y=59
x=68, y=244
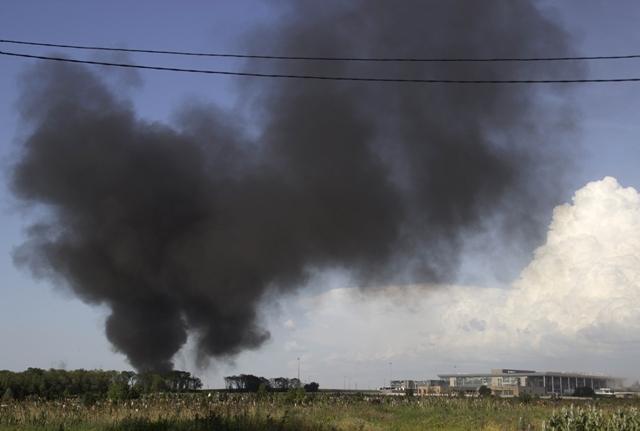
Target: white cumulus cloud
x=585, y=281
x=576, y=305
x=290, y=325
x=293, y=346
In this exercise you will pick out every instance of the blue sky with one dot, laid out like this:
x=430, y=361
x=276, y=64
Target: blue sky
x=45, y=326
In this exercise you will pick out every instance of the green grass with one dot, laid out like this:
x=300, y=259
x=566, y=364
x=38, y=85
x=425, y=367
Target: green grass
x=322, y=412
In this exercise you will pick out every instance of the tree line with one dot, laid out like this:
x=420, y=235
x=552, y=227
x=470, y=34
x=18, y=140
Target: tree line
x=54, y=384
x=251, y=383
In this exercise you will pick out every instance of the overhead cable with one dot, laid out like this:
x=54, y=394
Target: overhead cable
x=325, y=78
x=279, y=57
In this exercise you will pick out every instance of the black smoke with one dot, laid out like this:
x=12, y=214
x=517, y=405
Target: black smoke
x=182, y=228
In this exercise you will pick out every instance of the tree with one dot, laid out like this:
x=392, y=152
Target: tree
x=484, y=391
x=245, y=382
x=234, y=382
x=312, y=387
x=279, y=383
x=295, y=383
x=252, y=383
x=195, y=384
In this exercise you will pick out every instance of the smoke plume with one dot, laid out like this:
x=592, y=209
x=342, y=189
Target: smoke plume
x=182, y=228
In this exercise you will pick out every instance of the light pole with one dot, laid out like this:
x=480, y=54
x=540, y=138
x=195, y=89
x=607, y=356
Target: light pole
x=298, y=370
x=455, y=371
x=390, y=375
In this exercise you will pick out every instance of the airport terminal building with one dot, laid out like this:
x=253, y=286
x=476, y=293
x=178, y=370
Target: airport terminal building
x=514, y=382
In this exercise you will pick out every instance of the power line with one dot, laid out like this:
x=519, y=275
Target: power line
x=326, y=78
x=279, y=57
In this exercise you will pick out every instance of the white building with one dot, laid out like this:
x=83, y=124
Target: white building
x=504, y=381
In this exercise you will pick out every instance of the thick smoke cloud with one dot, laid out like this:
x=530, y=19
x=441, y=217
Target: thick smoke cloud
x=182, y=229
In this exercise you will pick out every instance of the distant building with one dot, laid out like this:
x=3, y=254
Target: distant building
x=419, y=383
x=508, y=382
x=433, y=387
x=401, y=385
x=434, y=390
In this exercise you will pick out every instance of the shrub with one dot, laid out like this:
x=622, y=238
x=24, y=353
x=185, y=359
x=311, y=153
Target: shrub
x=484, y=391
x=525, y=398
x=89, y=399
x=301, y=395
x=262, y=392
x=8, y=395
x=290, y=396
x=584, y=392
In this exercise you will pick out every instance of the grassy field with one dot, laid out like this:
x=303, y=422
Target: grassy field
x=220, y=411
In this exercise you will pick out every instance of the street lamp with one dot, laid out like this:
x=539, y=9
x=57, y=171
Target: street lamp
x=298, y=370
x=455, y=371
x=390, y=375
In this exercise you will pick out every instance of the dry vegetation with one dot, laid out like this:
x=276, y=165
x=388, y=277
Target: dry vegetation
x=298, y=411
